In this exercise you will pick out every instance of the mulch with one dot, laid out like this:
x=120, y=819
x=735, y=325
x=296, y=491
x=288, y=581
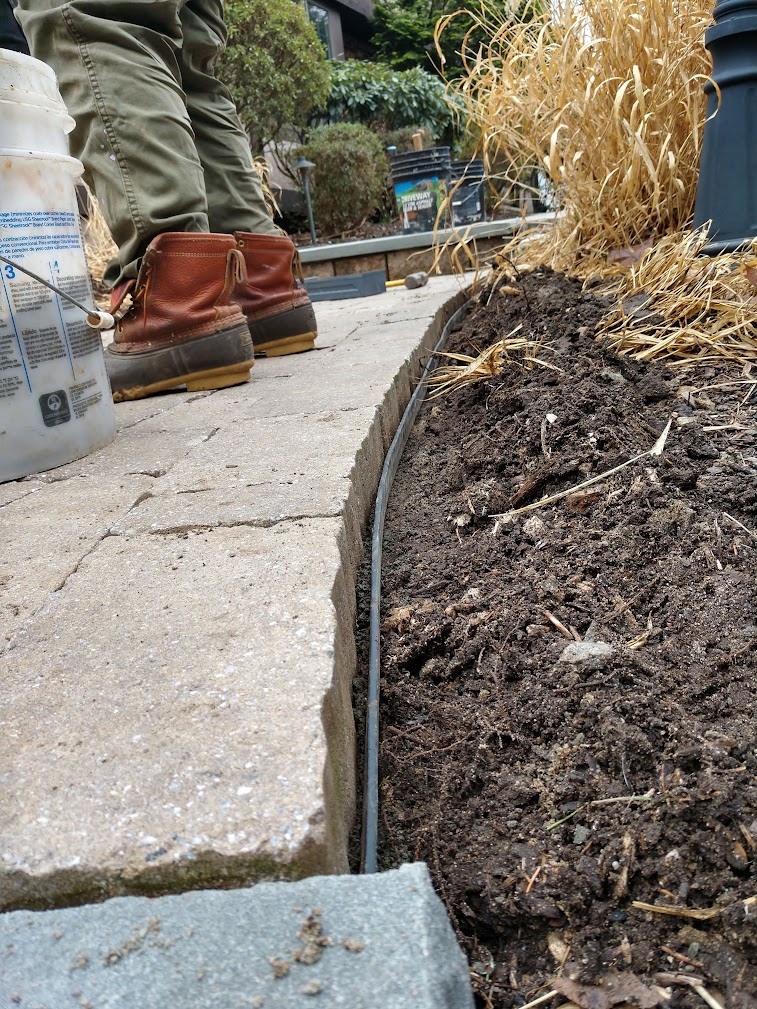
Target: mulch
x=569, y=694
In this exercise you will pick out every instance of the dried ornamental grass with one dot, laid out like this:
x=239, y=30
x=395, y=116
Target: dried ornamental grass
x=605, y=97
x=264, y=171
x=99, y=246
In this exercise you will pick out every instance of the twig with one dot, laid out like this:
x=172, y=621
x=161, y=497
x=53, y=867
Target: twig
x=560, y=626
x=692, y=982
x=623, y=798
x=559, y=823
x=655, y=450
x=681, y=957
x=602, y=802
x=700, y=914
x=532, y=879
x=740, y=525
x=541, y=1000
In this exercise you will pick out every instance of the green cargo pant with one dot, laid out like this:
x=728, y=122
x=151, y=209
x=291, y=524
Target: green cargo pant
x=158, y=134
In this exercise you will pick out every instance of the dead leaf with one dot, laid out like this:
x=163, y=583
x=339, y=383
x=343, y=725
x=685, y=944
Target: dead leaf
x=631, y=255
x=750, y=272
x=581, y=500
x=398, y=619
x=616, y=989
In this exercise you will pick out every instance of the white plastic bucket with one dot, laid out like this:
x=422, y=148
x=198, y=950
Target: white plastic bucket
x=55, y=401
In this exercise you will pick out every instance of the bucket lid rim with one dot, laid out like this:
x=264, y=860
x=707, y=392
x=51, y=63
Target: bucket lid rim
x=32, y=99
x=11, y=56
x=22, y=152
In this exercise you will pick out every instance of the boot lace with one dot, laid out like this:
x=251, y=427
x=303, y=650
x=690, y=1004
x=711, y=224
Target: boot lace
x=133, y=297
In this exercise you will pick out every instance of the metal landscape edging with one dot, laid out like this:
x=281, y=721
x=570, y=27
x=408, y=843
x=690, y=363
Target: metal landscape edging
x=369, y=857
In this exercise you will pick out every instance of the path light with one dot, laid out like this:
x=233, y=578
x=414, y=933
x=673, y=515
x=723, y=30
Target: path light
x=727, y=189
x=303, y=166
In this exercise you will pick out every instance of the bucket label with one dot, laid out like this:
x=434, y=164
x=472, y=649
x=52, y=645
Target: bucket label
x=55, y=408
x=38, y=328
x=85, y=395
x=419, y=202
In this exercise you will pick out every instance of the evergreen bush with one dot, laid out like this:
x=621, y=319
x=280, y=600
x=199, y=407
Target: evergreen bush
x=274, y=65
x=387, y=99
x=350, y=175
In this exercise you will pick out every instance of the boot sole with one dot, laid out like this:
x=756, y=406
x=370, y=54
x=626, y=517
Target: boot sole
x=198, y=381
x=211, y=362
x=292, y=331
x=287, y=345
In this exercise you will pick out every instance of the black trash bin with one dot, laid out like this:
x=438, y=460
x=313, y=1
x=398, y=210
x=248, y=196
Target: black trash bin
x=727, y=193
x=420, y=180
x=467, y=184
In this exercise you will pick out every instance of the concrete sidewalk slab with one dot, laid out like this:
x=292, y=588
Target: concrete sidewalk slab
x=363, y=942
x=176, y=624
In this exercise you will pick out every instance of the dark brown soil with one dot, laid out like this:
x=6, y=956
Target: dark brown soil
x=548, y=781
x=368, y=229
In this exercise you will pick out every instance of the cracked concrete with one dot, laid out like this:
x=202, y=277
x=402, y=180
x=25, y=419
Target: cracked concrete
x=176, y=645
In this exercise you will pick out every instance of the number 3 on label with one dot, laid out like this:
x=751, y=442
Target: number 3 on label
x=10, y=273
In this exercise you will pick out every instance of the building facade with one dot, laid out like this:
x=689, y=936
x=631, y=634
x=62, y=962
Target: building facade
x=343, y=27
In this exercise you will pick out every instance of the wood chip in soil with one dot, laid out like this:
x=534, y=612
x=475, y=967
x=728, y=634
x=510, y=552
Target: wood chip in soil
x=568, y=706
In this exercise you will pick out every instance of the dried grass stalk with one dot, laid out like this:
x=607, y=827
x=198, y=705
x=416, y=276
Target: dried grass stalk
x=679, y=306
x=487, y=364
x=99, y=246
x=264, y=171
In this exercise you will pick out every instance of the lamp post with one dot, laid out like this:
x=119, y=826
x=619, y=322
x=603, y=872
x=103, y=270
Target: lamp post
x=303, y=166
x=727, y=188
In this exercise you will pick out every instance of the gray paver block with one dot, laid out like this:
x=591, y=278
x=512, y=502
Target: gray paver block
x=168, y=716
x=48, y=533
x=391, y=947
x=177, y=611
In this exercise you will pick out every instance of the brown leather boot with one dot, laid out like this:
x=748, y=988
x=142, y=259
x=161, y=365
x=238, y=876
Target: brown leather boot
x=278, y=310
x=182, y=327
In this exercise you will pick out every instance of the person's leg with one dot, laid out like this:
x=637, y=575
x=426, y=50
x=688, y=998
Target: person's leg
x=117, y=66
x=235, y=197
x=277, y=308
x=118, y=71
x=11, y=36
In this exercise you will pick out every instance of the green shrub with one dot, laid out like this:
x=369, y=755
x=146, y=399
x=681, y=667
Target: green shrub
x=274, y=65
x=349, y=179
x=374, y=94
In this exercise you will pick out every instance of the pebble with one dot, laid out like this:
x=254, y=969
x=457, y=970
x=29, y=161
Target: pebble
x=610, y=375
x=598, y=653
x=581, y=834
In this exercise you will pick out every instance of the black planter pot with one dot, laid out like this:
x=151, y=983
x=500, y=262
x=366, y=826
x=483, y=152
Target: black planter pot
x=727, y=189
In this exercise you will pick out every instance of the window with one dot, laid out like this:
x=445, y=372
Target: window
x=320, y=18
